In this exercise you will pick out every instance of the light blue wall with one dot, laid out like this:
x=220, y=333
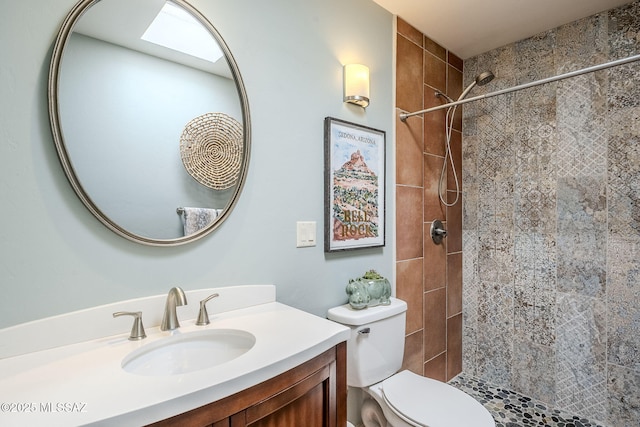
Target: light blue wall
x=55, y=257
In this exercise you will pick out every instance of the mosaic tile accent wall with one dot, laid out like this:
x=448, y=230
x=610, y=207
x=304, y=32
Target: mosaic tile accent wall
x=551, y=221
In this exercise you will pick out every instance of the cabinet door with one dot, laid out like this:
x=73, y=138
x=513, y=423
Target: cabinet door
x=306, y=403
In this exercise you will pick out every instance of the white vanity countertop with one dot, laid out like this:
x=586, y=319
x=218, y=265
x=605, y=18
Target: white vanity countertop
x=84, y=383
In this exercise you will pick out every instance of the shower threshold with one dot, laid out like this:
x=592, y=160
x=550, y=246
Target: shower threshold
x=511, y=409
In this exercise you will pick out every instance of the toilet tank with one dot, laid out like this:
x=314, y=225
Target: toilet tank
x=376, y=346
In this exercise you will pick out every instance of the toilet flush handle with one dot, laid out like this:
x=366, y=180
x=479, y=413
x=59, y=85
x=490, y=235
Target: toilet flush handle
x=364, y=331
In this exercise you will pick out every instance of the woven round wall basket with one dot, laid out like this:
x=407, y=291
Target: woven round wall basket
x=211, y=150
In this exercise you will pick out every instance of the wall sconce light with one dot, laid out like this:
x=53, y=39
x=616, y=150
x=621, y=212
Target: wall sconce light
x=356, y=84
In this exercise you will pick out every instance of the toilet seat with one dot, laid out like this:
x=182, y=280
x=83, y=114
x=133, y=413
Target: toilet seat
x=425, y=402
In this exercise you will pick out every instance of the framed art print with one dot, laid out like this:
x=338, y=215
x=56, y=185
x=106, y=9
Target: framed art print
x=354, y=186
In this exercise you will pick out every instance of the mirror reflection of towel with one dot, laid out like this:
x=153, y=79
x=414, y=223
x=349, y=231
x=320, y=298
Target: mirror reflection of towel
x=196, y=219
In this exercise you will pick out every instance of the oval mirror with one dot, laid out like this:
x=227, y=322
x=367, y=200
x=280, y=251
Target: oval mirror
x=149, y=117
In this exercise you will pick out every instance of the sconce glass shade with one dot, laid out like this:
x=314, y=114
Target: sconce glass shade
x=356, y=84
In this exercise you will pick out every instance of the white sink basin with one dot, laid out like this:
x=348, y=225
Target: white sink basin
x=189, y=352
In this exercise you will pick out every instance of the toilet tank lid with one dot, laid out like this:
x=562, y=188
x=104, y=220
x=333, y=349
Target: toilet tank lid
x=347, y=315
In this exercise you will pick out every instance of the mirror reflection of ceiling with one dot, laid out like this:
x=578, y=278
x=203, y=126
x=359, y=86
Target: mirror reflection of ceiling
x=131, y=27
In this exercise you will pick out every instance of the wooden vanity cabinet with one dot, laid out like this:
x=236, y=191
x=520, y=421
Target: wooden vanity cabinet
x=313, y=394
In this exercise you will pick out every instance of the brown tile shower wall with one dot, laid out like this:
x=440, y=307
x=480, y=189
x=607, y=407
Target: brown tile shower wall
x=429, y=276
x=552, y=220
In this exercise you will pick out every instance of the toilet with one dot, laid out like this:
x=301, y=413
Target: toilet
x=398, y=399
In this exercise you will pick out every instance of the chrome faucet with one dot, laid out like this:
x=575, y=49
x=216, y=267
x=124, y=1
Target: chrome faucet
x=137, y=331
x=203, y=315
x=175, y=298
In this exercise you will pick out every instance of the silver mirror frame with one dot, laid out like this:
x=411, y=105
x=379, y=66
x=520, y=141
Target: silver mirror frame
x=54, y=117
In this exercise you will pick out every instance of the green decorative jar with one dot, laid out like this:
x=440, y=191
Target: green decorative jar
x=368, y=291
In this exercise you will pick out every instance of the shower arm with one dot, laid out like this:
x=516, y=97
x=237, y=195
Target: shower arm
x=405, y=116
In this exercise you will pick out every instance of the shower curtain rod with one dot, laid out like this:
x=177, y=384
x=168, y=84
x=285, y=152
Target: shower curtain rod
x=405, y=116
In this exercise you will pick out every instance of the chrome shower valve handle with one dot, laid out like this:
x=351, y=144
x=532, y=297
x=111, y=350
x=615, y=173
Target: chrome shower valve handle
x=437, y=231
x=203, y=316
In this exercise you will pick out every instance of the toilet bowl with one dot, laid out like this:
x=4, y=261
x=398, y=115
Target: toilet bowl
x=408, y=399
x=375, y=351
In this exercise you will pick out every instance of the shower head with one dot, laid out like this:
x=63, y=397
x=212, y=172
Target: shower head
x=481, y=80
x=484, y=78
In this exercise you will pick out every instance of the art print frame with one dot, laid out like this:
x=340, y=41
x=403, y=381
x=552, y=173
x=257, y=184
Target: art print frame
x=355, y=193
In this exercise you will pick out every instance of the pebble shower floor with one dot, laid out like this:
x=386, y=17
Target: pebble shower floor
x=511, y=409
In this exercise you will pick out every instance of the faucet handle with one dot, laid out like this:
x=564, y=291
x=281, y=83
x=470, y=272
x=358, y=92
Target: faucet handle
x=437, y=231
x=137, y=331
x=203, y=316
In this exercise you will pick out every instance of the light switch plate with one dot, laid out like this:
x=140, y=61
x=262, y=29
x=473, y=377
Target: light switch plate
x=306, y=234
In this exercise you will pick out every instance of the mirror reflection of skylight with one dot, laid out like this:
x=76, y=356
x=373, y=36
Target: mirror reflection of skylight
x=177, y=29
